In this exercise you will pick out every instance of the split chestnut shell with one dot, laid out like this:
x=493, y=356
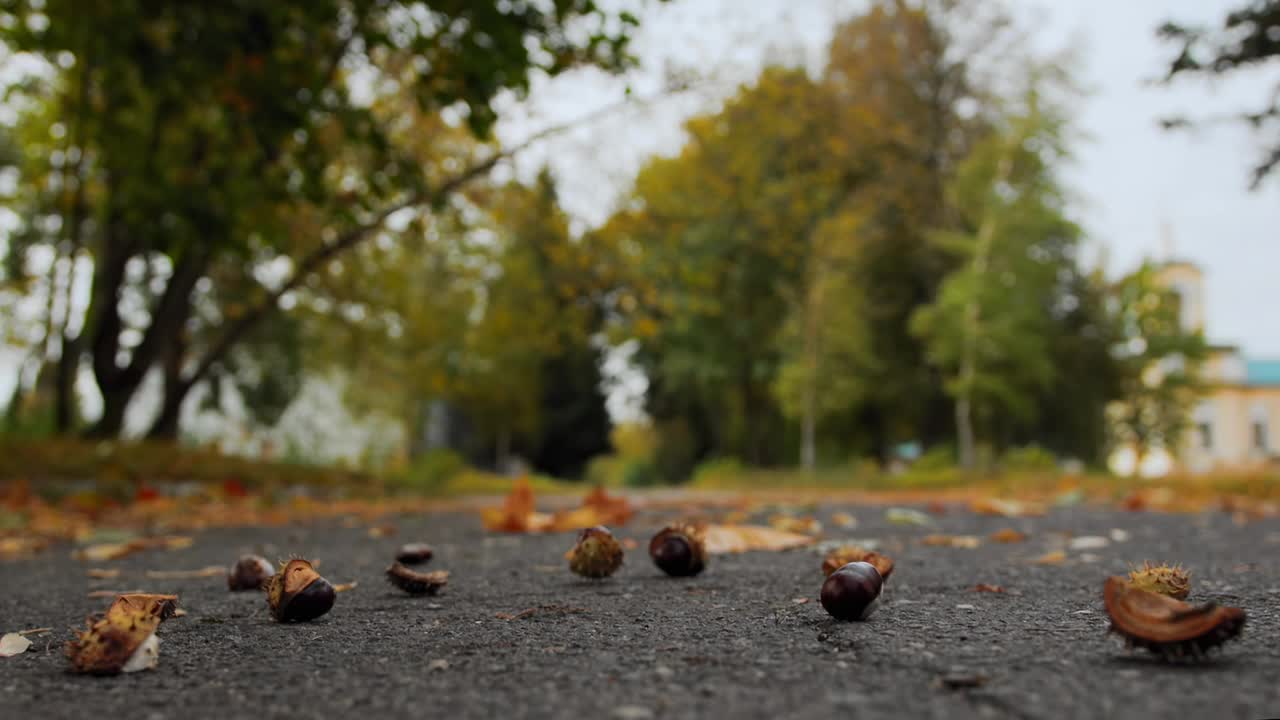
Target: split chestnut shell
x=122, y=641
x=414, y=554
x=845, y=554
x=678, y=550
x=1165, y=626
x=417, y=583
x=597, y=554
x=297, y=593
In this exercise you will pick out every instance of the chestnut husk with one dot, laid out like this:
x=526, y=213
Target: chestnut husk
x=298, y=593
x=417, y=583
x=597, y=554
x=678, y=550
x=414, y=554
x=1165, y=626
x=850, y=593
x=251, y=572
x=109, y=645
x=162, y=607
x=845, y=554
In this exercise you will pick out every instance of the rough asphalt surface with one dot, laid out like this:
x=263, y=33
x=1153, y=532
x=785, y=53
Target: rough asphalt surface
x=736, y=642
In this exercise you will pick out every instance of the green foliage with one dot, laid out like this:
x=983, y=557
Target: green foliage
x=1160, y=361
x=1248, y=37
x=1028, y=459
x=430, y=471
x=718, y=472
x=938, y=457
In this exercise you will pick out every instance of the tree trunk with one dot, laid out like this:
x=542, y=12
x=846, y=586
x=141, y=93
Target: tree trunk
x=964, y=432
x=166, y=423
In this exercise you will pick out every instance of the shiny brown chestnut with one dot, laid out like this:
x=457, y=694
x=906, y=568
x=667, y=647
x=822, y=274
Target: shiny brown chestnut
x=298, y=594
x=597, y=554
x=251, y=572
x=850, y=593
x=414, y=554
x=679, y=551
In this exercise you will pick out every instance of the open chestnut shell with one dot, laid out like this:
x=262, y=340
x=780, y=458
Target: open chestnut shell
x=417, y=583
x=297, y=593
x=678, y=550
x=124, y=640
x=414, y=554
x=251, y=572
x=845, y=554
x=1166, y=626
x=597, y=554
x=850, y=593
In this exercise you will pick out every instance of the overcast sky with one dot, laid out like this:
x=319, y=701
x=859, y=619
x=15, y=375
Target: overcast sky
x=1134, y=180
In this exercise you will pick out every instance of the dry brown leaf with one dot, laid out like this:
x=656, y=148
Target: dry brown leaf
x=114, y=593
x=114, y=551
x=103, y=573
x=844, y=520
x=1008, y=535
x=967, y=542
x=723, y=539
x=208, y=571
x=1057, y=557
x=984, y=587
x=1006, y=508
x=344, y=587
x=518, y=514
x=12, y=548
x=806, y=525
x=383, y=531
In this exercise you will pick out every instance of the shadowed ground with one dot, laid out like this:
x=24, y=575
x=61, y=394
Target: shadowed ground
x=735, y=642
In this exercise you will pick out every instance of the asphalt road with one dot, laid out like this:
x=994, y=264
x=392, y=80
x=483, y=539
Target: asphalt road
x=736, y=642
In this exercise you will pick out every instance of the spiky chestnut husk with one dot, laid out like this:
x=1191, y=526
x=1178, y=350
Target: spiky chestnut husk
x=161, y=606
x=297, y=593
x=417, y=583
x=597, y=553
x=1167, y=627
x=414, y=554
x=1162, y=579
x=122, y=641
x=251, y=572
x=841, y=556
x=850, y=593
x=678, y=550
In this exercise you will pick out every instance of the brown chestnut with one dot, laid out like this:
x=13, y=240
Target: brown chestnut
x=414, y=554
x=597, y=554
x=251, y=572
x=850, y=593
x=297, y=593
x=678, y=550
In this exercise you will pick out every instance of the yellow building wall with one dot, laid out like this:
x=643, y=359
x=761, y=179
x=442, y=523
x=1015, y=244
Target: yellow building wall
x=1231, y=411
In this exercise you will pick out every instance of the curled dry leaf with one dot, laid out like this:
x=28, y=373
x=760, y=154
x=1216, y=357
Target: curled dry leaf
x=114, y=551
x=1008, y=535
x=1006, y=508
x=907, y=516
x=518, y=514
x=122, y=641
x=1162, y=579
x=1057, y=557
x=297, y=593
x=807, y=525
x=13, y=644
x=417, y=583
x=968, y=542
x=597, y=554
x=725, y=539
x=841, y=556
x=1165, y=626
x=984, y=587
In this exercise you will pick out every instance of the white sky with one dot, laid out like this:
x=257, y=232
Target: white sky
x=1133, y=178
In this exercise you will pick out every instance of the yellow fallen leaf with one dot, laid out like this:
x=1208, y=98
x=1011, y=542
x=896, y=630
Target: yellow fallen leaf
x=844, y=520
x=103, y=573
x=1006, y=508
x=1008, y=535
x=1057, y=557
x=209, y=571
x=793, y=524
x=967, y=542
x=722, y=539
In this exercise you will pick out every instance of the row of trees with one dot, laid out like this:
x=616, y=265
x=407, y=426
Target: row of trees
x=836, y=263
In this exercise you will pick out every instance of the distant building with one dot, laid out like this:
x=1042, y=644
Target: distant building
x=1237, y=424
